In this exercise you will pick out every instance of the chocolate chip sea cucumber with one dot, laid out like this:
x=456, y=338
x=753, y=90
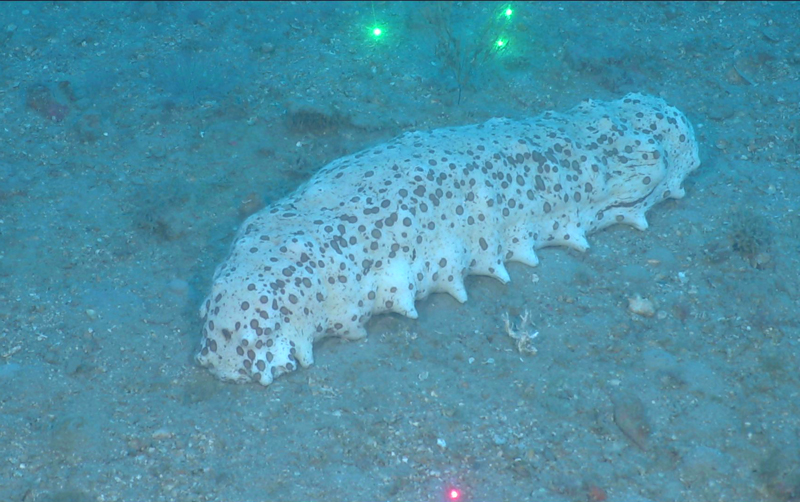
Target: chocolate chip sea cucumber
x=378, y=230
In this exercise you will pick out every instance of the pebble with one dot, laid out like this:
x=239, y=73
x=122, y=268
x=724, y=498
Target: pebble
x=771, y=34
x=161, y=433
x=267, y=48
x=179, y=287
x=629, y=415
x=641, y=306
x=761, y=260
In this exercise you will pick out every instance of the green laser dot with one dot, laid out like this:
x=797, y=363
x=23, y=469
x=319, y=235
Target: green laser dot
x=509, y=12
x=377, y=32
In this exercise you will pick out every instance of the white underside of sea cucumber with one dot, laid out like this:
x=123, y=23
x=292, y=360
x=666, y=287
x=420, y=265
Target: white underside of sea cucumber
x=381, y=229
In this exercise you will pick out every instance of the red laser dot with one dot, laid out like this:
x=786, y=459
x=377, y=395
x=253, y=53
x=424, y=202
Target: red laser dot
x=454, y=494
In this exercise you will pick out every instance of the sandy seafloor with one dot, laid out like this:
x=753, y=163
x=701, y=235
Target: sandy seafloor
x=137, y=137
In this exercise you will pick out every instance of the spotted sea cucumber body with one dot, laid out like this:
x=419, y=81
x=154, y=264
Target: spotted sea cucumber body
x=375, y=231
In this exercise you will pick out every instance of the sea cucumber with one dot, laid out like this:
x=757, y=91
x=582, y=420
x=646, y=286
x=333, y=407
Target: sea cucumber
x=378, y=230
